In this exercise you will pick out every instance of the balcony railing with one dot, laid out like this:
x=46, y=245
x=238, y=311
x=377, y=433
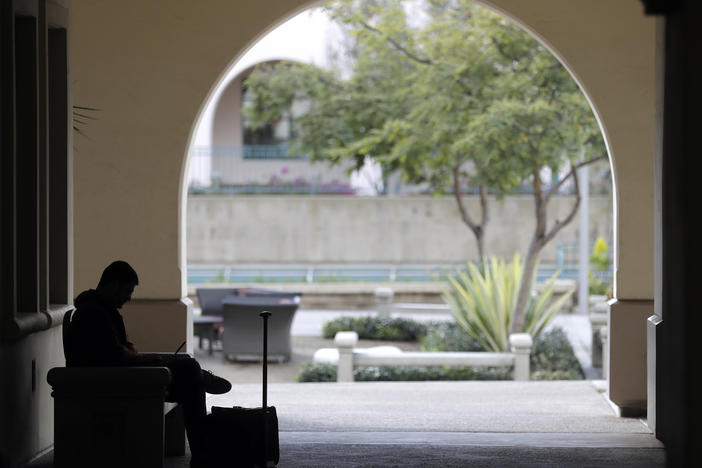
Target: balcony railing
x=275, y=151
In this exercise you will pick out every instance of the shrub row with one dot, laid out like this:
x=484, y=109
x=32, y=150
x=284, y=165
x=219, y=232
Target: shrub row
x=311, y=372
x=377, y=328
x=552, y=356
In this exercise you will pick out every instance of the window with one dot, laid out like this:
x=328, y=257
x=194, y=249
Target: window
x=35, y=240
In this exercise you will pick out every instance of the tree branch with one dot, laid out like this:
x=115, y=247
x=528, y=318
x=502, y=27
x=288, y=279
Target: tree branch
x=483, y=206
x=560, y=225
x=397, y=46
x=539, y=204
x=573, y=169
x=459, y=200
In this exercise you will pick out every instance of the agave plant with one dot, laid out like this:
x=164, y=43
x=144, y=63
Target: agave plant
x=483, y=299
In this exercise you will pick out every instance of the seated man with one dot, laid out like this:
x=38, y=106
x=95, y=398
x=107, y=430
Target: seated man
x=96, y=337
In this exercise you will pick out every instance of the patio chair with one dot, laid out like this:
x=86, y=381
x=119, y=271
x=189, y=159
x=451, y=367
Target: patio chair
x=242, y=336
x=209, y=323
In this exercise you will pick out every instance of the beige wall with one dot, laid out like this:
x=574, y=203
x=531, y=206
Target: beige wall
x=341, y=229
x=150, y=65
x=26, y=416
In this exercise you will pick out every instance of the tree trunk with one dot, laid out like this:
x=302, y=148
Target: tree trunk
x=480, y=242
x=525, y=287
x=541, y=237
x=478, y=229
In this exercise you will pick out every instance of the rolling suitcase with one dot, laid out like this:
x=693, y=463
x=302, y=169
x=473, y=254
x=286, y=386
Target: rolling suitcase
x=245, y=437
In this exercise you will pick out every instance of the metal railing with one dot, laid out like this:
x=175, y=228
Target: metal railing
x=273, y=151
x=341, y=273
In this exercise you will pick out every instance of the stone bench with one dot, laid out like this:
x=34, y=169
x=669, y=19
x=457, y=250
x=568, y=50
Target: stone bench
x=114, y=416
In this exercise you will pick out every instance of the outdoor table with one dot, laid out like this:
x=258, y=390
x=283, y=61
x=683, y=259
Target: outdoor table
x=242, y=338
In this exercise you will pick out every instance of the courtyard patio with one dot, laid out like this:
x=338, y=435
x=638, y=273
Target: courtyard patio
x=470, y=423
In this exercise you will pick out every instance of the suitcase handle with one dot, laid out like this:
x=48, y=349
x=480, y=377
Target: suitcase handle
x=265, y=315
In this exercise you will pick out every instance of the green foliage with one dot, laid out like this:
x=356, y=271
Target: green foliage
x=460, y=99
x=463, y=88
x=484, y=302
x=552, y=358
x=376, y=328
x=599, y=261
x=421, y=373
x=448, y=336
x=597, y=286
x=311, y=372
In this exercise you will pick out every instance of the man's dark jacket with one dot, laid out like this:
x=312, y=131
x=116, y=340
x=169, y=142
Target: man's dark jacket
x=96, y=335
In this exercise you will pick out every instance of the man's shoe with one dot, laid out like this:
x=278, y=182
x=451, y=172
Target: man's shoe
x=214, y=384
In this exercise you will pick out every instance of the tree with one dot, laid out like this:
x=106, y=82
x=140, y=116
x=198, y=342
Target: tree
x=541, y=121
x=453, y=96
x=389, y=107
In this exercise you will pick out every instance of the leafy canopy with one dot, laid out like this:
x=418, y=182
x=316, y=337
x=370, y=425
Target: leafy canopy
x=429, y=90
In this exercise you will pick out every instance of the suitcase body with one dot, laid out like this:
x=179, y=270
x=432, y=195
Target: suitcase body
x=237, y=437
x=245, y=437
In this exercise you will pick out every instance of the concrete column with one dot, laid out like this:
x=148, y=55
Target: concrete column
x=345, y=342
x=627, y=354
x=520, y=345
x=383, y=301
x=159, y=325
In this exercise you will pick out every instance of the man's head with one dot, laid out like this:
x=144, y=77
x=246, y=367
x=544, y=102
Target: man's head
x=117, y=283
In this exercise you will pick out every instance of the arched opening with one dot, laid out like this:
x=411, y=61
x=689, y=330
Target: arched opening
x=633, y=273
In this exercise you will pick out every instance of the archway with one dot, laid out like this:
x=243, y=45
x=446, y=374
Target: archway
x=167, y=65
x=632, y=312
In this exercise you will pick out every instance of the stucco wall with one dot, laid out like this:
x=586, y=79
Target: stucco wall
x=338, y=229
x=26, y=415
x=149, y=67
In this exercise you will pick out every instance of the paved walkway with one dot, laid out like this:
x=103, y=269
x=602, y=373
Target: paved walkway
x=434, y=424
x=450, y=424
x=442, y=424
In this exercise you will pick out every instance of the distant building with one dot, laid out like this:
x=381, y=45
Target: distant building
x=241, y=159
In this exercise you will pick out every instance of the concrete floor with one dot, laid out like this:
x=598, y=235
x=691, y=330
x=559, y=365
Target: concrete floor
x=433, y=424
x=449, y=424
